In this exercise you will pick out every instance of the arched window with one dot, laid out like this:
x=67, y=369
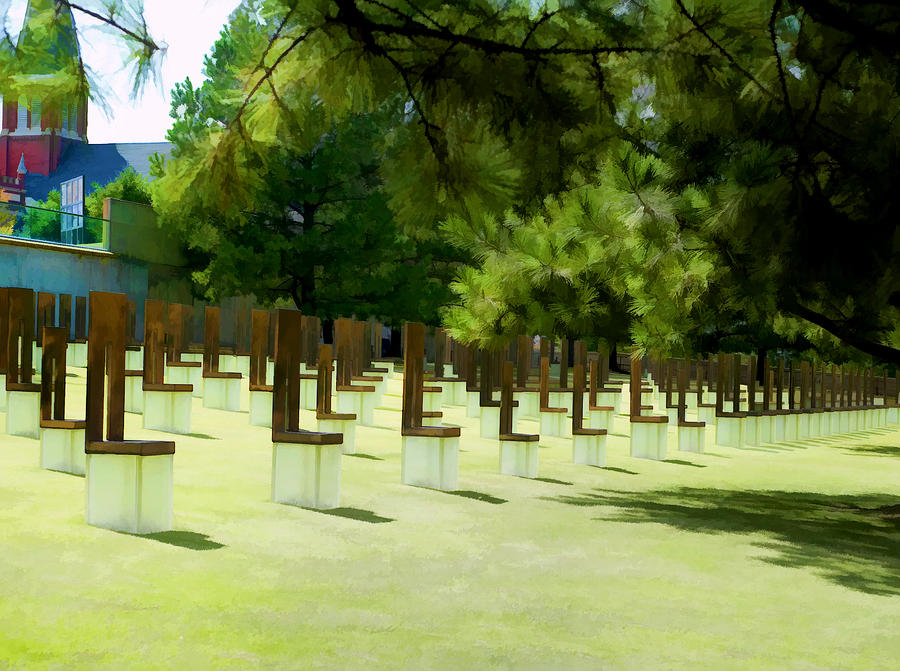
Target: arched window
x=36, y=114
x=64, y=116
x=22, y=119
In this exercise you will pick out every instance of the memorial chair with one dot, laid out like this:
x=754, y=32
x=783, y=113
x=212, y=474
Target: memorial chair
x=649, y=433
x=429, y=454
x=588, y=444
x=751, y=426
x=62, y=440
x=471, y=375
x=260, y=389
x=46, y=316
x=600, y=416
x=128, y=483
x=23, y=414
x=729, y=425
x=360, y=360
x=453, y=388
x=518, y=451
x=328, y=421
x=489, y=413
x=359, y=400
x=553, y=419
x=78, y=346
x=309, y=352
x=306, y=465
x=134, y=352
x=182, y=367
x=524, y=391
x=691, y=435
x=706, y=412
x=166, y=405
x=221, y=389
x=4, y=344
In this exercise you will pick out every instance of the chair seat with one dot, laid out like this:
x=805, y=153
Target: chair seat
x=343, y=416
x=600, y=408
x=351, y=387
x=526, y=389
x=375, y=370
x=262, y=387
x=23, y=386
x=692, y=425
x=223, y=375
x=520, y=437
x=307, y=437
x=443, y=379
x=307, y=376
x=431, y=431
x=434, y=414
x=184, y=364
x=738, y=415
x=610, y=390
x=431, y=390
x=648, y=419
x=134, y=373
x=366, y=378
x=165, y=386
x=63, y=424
x=489, y=404
x=554, y=410
x=587, y=431
x=141, y=448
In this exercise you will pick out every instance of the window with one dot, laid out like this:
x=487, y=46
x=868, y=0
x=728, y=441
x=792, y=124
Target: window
x=64, y=116
x=36, y=114
x=73, y=118
x=22, y=120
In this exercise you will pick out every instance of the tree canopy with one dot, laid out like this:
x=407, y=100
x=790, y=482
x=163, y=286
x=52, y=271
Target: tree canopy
x=310, y=223
x=717, y=168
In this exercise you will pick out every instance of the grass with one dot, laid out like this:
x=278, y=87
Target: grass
x=785, y=558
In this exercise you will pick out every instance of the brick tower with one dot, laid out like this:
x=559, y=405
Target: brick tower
x=46, y=111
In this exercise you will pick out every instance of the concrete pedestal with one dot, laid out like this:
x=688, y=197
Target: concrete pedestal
x=648, y=440
x=764, y=429
x=76, y=355
x=134, y=394
x=529, y=403
x=556, y=424
x=610, y=399
x=308, y=394
x=261, y=408
x=707, y=415
x=729, y=432
x=186, y=375
x=221, y=393
x=519, y=458
x=802, y=426
x=431, y=401
x=473, y=409
x=134, y=359
x=589, y=450
x=815, y=424
x=825, y=423
x=129, y=493
x=853, y=416
x=167, y=411
x=63, y=450
x=3, y=402
x=601, y=419
x=561, y=399
x=750, y=430
x=306, y=475
x=893, y=415
x=23, y=414
x=359, y=403
x=430, y=462
x=791, y=427
x=454, y=393
x=691, y=438
x=490, y=423
x=778, y=428
x=843, y=421
x=672, y=414
x=344, y=426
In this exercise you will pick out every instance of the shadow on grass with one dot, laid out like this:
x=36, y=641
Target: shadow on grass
x=617, y=469
x=204, y=436
x=682, y=462
x=552, y=481
x=354, y=514
x=873, y=450
x=850, y=540
x=190, y=540
x=363, y=455
x=476, y=496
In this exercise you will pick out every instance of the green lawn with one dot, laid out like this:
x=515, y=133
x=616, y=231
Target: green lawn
x=782, y=557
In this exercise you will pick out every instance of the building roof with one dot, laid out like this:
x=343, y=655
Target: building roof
x=99, y=163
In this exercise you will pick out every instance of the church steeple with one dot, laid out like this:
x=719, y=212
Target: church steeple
x=46, y=106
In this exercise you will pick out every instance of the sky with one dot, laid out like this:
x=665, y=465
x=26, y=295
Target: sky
x=189, y=27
